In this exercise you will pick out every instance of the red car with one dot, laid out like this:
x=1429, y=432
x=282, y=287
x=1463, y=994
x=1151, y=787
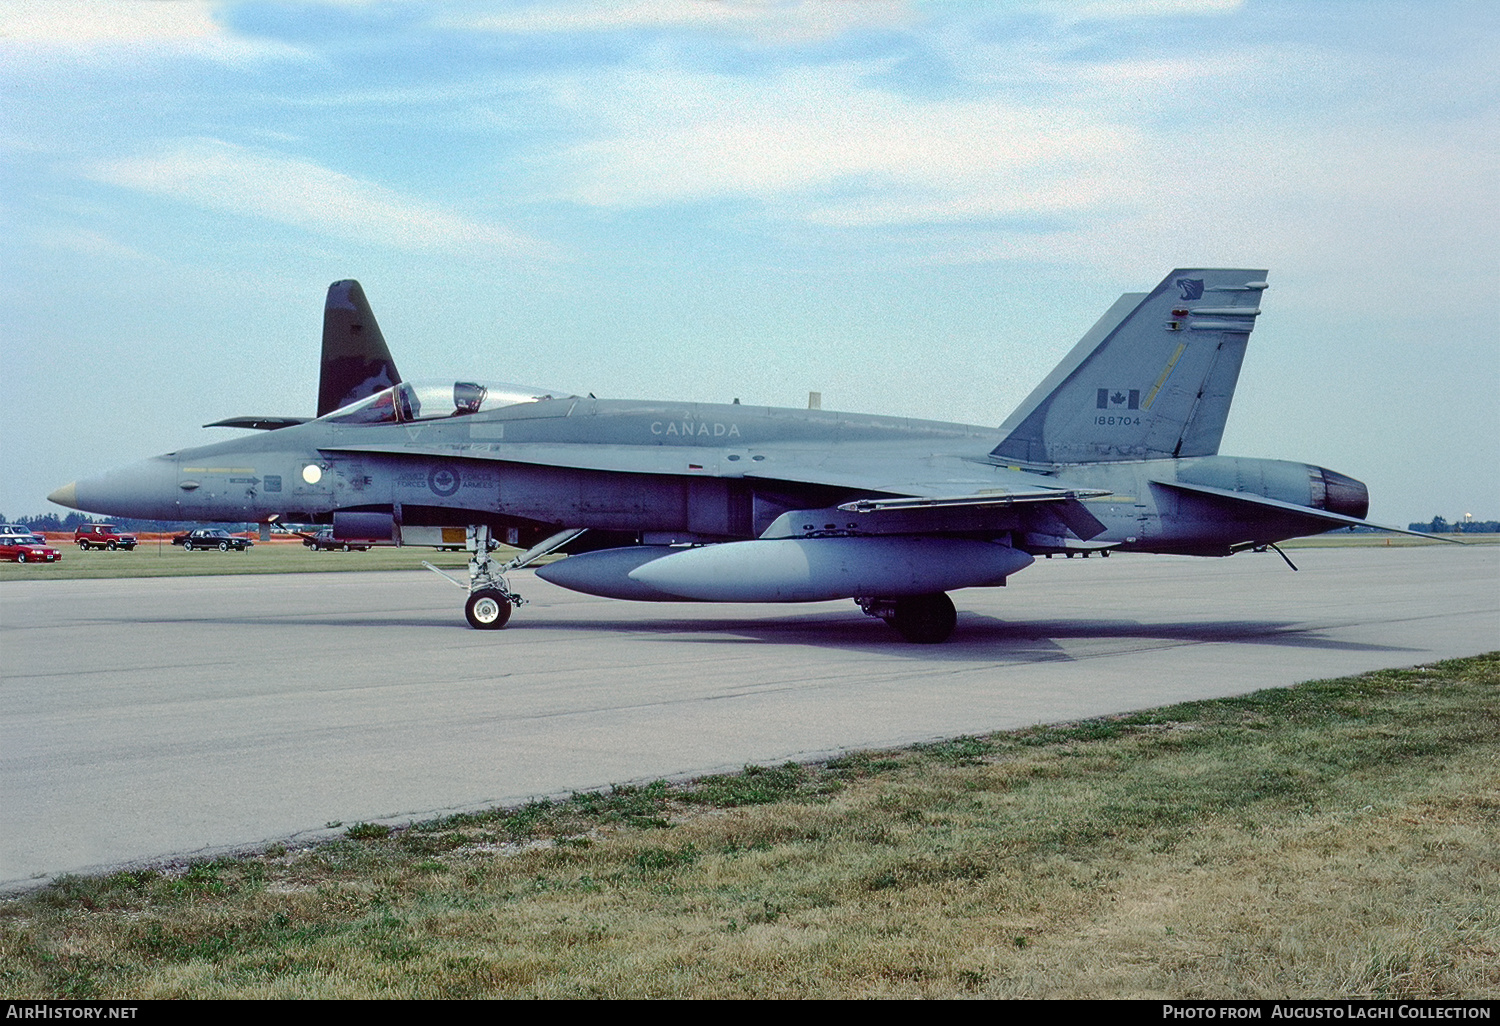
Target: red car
x=102, y=536
x=18, y=551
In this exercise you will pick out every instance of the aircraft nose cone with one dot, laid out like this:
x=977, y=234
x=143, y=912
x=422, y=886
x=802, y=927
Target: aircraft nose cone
x=67, y=495
x=147, y=490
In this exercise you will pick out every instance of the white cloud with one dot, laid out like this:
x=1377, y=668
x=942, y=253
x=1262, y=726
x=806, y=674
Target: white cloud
x=87, y=243
x=1365, y=216
x=86, y=29
x=1093, y=172
x=673, y=137
x=1119, y=10
x=221, y=176
x=784, y=21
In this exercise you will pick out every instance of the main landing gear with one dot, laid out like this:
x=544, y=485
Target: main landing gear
x=490, y=598
x=920, y=619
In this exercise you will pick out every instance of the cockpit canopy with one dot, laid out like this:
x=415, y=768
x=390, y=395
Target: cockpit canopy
x=427, y=400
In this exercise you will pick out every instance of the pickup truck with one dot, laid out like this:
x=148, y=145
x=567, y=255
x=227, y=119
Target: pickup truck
x=324, y=541
x=102, y=536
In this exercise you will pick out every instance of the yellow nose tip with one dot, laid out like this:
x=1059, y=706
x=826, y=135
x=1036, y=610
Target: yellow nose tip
x=67, y=495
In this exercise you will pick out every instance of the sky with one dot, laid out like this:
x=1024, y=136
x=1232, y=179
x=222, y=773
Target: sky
x=913, y=208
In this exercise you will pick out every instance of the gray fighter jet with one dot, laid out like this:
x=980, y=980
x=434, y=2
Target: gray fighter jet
x=1117, y=450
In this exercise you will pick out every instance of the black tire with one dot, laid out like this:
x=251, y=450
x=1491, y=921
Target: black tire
x=187, y=546
x=925, y=619
x=346, y=547
x=223, y=546
x=83, y=546
x=487, y=610
x=110, y=546
x=20, y=557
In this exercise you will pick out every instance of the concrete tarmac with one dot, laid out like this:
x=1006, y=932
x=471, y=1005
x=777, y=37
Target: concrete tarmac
x=164, y=717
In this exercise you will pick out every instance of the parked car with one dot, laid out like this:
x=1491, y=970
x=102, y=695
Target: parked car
x=324, y=541
x=27, y=550
x=18, y=533
x=212, y=538
x=102, y=536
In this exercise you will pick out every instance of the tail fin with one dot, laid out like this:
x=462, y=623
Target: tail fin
x=1152, y=380
x=356, y=362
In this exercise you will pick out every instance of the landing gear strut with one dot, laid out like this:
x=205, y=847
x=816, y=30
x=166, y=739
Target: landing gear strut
x=920, y=619
x=490, y=598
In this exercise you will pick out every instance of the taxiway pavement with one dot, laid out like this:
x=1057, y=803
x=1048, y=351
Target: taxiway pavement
x=153, y=717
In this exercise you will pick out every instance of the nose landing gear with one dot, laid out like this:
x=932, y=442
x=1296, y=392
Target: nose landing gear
x=490, y=598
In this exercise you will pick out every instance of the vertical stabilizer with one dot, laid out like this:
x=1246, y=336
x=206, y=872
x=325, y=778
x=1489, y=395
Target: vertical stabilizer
x=1152, y=379
x=356, y=362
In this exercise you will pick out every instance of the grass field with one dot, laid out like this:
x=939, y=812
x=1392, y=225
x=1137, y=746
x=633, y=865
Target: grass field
x=154, y=558
x=160, y=558
x=1363, y=540
x=1335, y=839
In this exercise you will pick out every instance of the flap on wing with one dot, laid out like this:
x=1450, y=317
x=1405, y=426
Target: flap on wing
x=1063, y=504
x=992, y=498
x=1308, y=512
x=1053, y=515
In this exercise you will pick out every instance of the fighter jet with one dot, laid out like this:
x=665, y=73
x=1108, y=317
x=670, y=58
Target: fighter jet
x=1117, y=450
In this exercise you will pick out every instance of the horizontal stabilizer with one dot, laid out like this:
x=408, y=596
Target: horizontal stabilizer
x=259, y=423
x=1332, y=519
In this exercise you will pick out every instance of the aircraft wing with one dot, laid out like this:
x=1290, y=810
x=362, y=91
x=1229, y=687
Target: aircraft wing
x=926, y=493
x=950, y=511
x=1323, y=515
x=620, y=459
x=886, y=472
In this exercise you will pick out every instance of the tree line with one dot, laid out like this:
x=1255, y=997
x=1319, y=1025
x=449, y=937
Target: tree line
x=1438, y=525
x=51, y=522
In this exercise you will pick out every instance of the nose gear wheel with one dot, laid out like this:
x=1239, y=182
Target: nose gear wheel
x=488, y=609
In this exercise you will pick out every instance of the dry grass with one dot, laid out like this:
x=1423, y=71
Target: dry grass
x=1338, y=839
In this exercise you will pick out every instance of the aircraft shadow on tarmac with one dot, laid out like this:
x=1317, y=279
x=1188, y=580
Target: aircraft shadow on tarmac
x=977, y=637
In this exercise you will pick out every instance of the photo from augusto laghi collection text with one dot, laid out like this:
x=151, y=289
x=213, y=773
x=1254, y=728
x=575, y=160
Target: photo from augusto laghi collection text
x=1344, y=1010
